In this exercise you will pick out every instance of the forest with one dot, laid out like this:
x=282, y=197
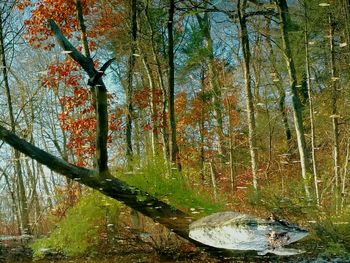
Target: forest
x=124, y=121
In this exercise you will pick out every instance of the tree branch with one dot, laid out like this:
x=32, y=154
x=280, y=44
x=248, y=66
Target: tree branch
x=54, y=163
x=87, y=64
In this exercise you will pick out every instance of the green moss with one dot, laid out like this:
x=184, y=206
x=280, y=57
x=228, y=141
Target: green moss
x=173, y=188
x=79, y=233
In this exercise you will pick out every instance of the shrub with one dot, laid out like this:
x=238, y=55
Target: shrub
x=84, y=229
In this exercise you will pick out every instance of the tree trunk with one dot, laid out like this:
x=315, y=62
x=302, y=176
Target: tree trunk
x=34, y=204
x=130, y=74
x=311, y=107
x=82, y=29
x=345, y=8
x=280, y=89
x=171, y=87
x=152, y=93
x=297, y=105
x=334, y=116
x=101, y=98
x=202, y=127
x=345, y=175
x=164, y=124
x=213, y=180
x=153, y=106
x=232, y=144
x=99, y=101
x=214, y=84
x=241, y=6
x=23, y=202
x=45, y=185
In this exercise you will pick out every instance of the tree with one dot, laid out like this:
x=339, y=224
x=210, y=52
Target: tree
x=297, y=106
x=311, y=106
x=171, y=86
x=278, y=82
x=334, y=116
x=215, y=89
x=160, y=76
x=129, y=89
x=241, y=6
x=38, y=37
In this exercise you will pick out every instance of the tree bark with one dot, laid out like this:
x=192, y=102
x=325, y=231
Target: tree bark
x=311, y=106
x=334, y=116
x=214, y=84
x=202, y=126
x=297, y=105
x=130, y=74
x=152, y=99
x=82, y=29
x=153, y=107
x=241, y=6
x=280, y=89
x=345, y=6
x=97, y=94
x=344, y=178
x=232, y=150
x=171, y=87
x=165, y=139
x=45, y=185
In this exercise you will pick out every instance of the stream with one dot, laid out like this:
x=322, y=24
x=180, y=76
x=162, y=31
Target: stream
x=237, y=257
x=148, y=259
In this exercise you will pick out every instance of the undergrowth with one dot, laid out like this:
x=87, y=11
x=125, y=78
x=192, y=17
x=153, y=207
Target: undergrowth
x=333, y=234
x=85, y=228
x=329, y=232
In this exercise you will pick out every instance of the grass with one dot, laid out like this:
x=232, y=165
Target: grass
x=83, y=230
x=154, y=178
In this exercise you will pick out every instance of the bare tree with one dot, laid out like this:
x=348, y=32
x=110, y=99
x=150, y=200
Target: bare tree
x=311, y=106
x=241, y=7
x=335, y=115
x=215, y=89
x=297, y=105
x=174, y=150
x=130, y=73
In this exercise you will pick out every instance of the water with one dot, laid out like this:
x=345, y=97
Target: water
x=141, y=258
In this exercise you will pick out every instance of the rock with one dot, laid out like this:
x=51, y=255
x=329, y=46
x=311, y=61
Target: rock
x=236, y=231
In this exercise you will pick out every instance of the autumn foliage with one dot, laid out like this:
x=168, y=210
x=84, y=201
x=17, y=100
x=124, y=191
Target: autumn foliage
x=64, y=78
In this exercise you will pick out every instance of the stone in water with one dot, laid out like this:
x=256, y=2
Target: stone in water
x=236, y=231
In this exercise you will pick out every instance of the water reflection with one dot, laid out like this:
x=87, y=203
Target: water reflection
x=144, y=258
